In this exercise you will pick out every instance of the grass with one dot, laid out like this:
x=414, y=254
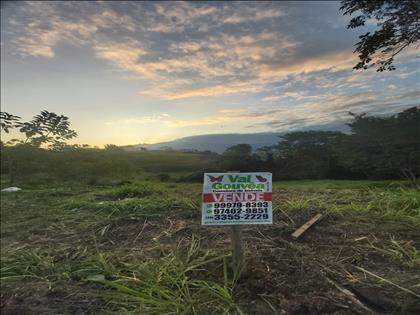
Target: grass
x=135, y=191
x=403, y=251
x=299, y=202
x=97, y=168
x=138, y=248
x=167, y=285
x=336, y=184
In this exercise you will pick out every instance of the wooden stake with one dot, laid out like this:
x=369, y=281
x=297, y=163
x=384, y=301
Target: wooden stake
x=238, y=252
x=306, y=226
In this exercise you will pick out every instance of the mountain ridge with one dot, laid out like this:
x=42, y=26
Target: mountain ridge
x=221, y=141
x=213, y=142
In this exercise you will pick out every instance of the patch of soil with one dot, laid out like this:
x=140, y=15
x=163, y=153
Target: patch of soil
x=68, y=298
x=316, y=274
x=293, y=276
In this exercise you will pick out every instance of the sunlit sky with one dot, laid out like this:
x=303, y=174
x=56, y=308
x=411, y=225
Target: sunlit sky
x=145, y=72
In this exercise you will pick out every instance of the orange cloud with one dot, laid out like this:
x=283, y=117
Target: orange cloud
x=216, y=90
x=341, y=60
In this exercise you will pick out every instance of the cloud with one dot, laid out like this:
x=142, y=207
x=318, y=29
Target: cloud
x=41, y=27
x=334, y=108
x=293, y=95
x=124, y=40
x=140, y=120
x=184, y=50
x=252, y=14
x=232, y=110
x=258, y=76
x=123, y=55
x=334, y=61
x=175, y=17
x=242, y=116
x=216, y=90
x=328, y=110
x=42, y=43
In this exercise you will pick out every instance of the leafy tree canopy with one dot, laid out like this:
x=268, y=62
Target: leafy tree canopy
x=239, y=149
x=309, y=139
x=383, y=145
x=46, y=128
x=307, y=154
x=8, y=121
x=399, y=27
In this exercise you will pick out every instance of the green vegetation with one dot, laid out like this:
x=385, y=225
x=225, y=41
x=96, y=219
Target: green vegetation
x=166, y=285
x=46, y=128
x=107, y=231
x=99, y=167
x=138, y=248
x=378, y=148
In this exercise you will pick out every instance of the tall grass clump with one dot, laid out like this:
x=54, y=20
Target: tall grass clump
x=24, y=262
x=400, y=203
x=298, y=202
x=136, y=191
x=174, y=283
x=403, y=251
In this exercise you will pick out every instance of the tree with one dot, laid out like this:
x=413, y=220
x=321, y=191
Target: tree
x=238, y=158
x=384, y=147
x=113, y=148
x=399, y=27
x=239, y=150
x=46, y=128
x=308, y=154
x=8, y=121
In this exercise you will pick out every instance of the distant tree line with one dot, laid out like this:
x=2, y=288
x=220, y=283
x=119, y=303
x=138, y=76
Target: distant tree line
x=376, y=148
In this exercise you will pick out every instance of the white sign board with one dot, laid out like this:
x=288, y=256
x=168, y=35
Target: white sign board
x=237, y=198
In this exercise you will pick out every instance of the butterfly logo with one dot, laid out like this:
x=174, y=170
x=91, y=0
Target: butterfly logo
x=261, y=179
x=215, y=179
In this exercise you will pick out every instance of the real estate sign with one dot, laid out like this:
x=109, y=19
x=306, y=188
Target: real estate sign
x=237, y=198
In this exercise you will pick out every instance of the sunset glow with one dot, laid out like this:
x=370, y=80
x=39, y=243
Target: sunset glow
x=145, y=72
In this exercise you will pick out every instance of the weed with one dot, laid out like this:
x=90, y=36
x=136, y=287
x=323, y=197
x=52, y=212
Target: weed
x=135, y=191
x=36, y=263
x=169, y=284
x=403, y=251
x=396, y=204
x=300, y=202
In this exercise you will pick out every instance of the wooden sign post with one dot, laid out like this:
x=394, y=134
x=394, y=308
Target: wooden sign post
x=237, y=199
x=238, y=247
x=238, y=252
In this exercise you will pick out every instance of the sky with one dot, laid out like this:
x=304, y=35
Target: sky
x=146, y=72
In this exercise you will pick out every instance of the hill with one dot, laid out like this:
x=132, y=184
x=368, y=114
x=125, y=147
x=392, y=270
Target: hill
x=216, y=142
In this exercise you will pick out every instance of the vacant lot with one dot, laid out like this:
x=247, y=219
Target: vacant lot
x=138, y=248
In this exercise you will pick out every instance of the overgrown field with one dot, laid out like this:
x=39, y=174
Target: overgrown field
x=31, y=165
x=138, y=248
